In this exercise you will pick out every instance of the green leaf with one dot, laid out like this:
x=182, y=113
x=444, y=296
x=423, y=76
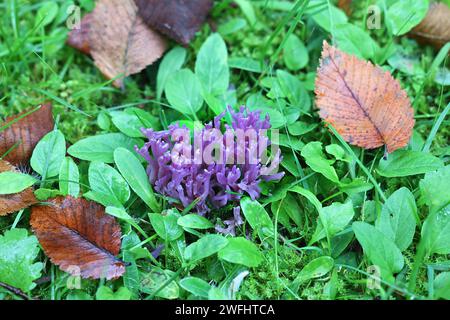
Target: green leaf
x=314, y=269
x=316, y=160
x=354, y=40
x=69, y=178
x=337, y=152
x=183, y=91
x=241, y=251
x=333, y=219
x=404, y=163
x=436, y=232
x=294, y=90
x=49, y=154
x=102, y=147
x=379, y=249
x=442, y=286
x=248, y=10
x=205, y=247
x=172, y=62
x=128, y=124
x=17, y=254
x=166, y=226
x=257, y=217
x=107, y=185
x=46, y=13
x=404, y=15
x=44, y=194
x=15, y=182
x=194, y=221
x=397, y=220
x=196, y=286
x=106, y=293
x=153, y=281
x=432, y=186
x=295, y=53
x=329, y=17
x=134, y=173
x=246, y=64
x=211, y=66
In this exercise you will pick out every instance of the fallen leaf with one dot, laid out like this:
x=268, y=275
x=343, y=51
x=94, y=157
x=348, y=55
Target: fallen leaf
x=178, y=19
x=14, y=202
x=120, y=42
x=345, y=5
x=435, y=28
x=79, y=237
x=26, y=133
x=365, y=104
x=79, y=37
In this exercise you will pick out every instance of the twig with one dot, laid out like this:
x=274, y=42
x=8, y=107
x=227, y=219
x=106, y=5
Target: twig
x=14, y=290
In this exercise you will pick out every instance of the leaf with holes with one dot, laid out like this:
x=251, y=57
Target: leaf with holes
x=20, y=134
x=120, y=42
x=365, y=104
x=10, y=203
x=79, y=237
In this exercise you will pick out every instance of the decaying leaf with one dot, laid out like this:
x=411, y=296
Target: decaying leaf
x=345, y=5
x=79, y=237
x=178, y=19
x=365, y=104
x=15, y=202
x=435, y=28
x=24, y=134
x=120, y=42
x=79, y=37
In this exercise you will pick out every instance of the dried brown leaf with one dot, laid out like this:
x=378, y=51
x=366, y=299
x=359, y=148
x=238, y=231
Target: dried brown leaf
x=14, y=202
x=79, y=237
x=120, y=42
x=178, y=19
x=79, y=37
x=435, y=28
x=365, y=104
x=26, y=132
x=345, y=5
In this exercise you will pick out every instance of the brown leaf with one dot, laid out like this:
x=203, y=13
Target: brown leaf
x=79, y=37
x=178, y=19
x=79, y=237
x=27, y=132
x=435, y=28
x=14, y=202
x=120, y=42
x=345, y=5
x=365, y=104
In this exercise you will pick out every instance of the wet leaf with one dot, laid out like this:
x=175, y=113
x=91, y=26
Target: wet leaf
x=14, y=202
x=17, y=256
x=365, y=104
x=435, y=28
x=79, y=237
x=120, y=42
x=23, y=132
x=179, y=20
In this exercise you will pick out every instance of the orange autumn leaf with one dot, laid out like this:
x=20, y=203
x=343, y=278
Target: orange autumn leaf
x=79, y=237
x=14, y=202
x=365, y=104
x=435, y=28
x=20, y=138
